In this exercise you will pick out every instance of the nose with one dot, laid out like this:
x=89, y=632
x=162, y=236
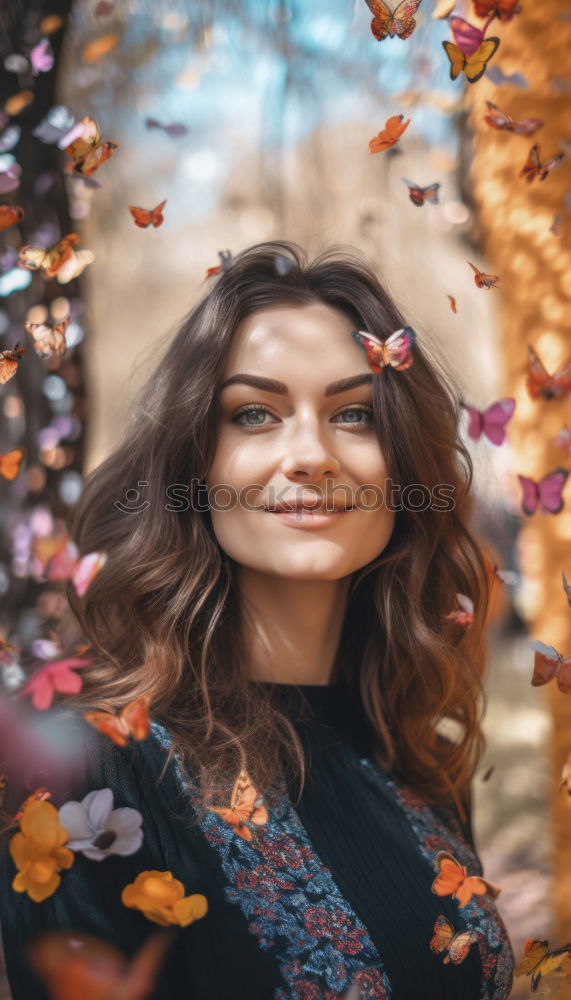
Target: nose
x=306, y=452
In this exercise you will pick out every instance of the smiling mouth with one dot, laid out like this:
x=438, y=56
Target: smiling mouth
x=306, y=510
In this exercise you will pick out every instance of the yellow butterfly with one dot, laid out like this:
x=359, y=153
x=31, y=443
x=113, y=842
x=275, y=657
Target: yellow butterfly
x=473, y=66
x=544, y=966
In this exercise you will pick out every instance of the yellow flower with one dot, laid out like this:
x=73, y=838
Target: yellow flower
x=38, y=852
x=161, y=898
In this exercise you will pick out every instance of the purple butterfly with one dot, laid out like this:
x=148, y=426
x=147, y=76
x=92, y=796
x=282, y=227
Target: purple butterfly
x=491, y=422
x=42, y=57
x=547, y=492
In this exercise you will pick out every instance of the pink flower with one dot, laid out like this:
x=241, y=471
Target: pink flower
x=57, y=676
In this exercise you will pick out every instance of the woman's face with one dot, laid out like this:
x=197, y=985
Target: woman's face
x=302, y=440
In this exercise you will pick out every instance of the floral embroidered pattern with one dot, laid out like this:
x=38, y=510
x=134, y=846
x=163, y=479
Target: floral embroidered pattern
x=294, y=906
x=438, y=829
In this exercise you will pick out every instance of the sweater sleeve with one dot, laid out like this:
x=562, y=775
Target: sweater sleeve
x=88, y=898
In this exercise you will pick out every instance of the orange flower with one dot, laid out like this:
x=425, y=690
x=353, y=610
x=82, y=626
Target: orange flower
x=161, y=898
x=38, y=852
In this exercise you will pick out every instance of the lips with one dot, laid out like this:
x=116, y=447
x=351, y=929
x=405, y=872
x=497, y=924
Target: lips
x=322, y=509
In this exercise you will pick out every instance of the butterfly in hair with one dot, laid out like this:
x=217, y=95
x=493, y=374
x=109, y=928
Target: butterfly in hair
x=246, y=810
x=395, y=351
x=453, y=880
x=399, y=21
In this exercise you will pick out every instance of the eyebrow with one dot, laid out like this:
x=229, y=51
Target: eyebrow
x=273, y=385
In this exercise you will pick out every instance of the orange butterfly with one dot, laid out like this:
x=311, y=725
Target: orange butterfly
x=148, y=216
x=453, y=304
x=87, y=151
x=10, y=215
x=541, y=385
x=399, y=21
x=246, y=807
x=453, y=880
x=10, y=462
x=484, y=280
x=503, y=9
x=73, y=964
x=533, y=167
x=444, y=939
x=9, y=362
x=60, y=261
x=48, y=337
x=390, y=135
x=132, y=722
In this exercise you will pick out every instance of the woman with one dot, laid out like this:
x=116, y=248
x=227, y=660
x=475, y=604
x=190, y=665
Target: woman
x=300, y=667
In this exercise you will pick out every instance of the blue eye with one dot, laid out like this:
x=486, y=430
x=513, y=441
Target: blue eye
x=257, y=408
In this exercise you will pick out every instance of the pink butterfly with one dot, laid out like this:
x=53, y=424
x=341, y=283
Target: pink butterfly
x=547, y=492
x=57, y=676
x=467, y=36
x=42, y=57
x=490, y=422
x=66, y=564
x=548, y=664
x=395, y=351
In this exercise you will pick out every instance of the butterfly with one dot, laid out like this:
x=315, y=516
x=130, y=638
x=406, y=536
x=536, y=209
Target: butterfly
x=226, y=261
x=541, y=385
x=418, y=195
x=175, y=129
x=148, y=216
x=566, y=588
x=41, y=57
x=453, y=304
x=88, y=151
x=395, y=351
x=60, y=261
x=547, y=492
x=453, y=880
x=498, y=119
x=246, y=808
x=484, y=280
x=10, y=215
x=490, y=422
x=9, y=363
x=533, y=167
x=48, y=337
x=73, y=964
x=471, y=50
x=10, y=462
x=539, y=962
x=464, y=615
x=548, y=663
x=502, y=9
x=399, y=21
x=60, y=560
x=497, y=76
x=390, y=135
x=132, y=722
x=456, y=946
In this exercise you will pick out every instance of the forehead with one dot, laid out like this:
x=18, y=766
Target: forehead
x=291, y=336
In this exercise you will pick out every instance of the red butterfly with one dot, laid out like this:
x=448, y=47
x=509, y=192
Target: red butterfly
x=418, y=195
x=541, y=385
x=395, y=351
x=246, y=808
x=549, y=664
x=547, y=492
x=498, y=119
x=503, y=9
x=453, y=880
x=533, y=167
x=389, y=135
x=492, y=421
x=132, y=722
x=148, y=216
x=484, y=280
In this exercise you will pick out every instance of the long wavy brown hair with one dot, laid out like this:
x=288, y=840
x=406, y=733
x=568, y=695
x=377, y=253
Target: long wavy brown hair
x=163, y=614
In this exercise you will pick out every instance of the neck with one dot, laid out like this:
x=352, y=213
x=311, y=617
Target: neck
x=291, y=627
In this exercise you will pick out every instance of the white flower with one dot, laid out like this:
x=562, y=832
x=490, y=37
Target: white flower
x=97, y=830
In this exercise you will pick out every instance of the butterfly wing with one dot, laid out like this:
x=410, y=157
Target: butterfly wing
x=456, y=57
x=442, y=936
x=532, y=165
x=387, y=137
x=475, y=422
x=546, y=663
x=74, y=265
x=550, y=490
x=414, y=192
x=505, y=9
x=495, y=419
x=548, y=166
x=398, y=348
x=404, y=18
x=538, y=379
x=560, y=381
x=450, y=876
x=476, y=64
x=88, y=139
x=530, y=496
x=527, y=126
x=460, y=946
x=453, y=304
x=383, y=22
x=535, y=952
x=142, y=216
x=496, y=118
x=135, y=716
x=157, y=214
x=94, y=159
x=247, y=803
x=431, y=193
x=373, y=347
x=108, y=724
x=10, y=462
x=467, y=36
